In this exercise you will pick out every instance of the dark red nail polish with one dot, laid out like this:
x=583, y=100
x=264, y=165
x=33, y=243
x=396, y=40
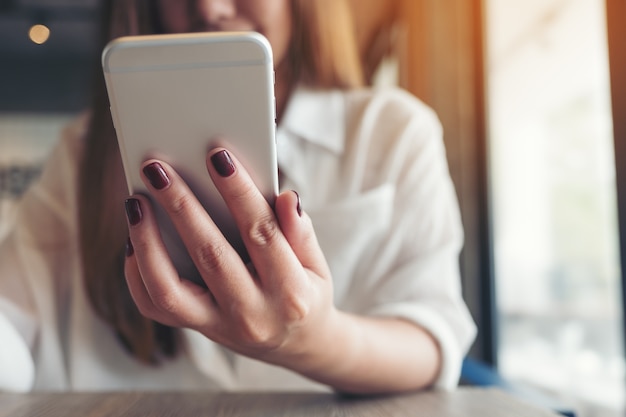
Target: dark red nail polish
x=133, y=211
x=223, y=164
x=129, y=248
x=156, y=175
x=298, y=204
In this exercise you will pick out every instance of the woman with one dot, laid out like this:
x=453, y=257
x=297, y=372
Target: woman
x=359, y=293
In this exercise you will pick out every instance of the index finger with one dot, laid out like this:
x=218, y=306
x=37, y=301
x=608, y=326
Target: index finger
x=218, y=263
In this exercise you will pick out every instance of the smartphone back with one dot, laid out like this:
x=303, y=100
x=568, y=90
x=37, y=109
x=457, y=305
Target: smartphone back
x=174, y=97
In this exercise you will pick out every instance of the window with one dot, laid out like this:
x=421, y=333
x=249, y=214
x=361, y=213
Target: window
x=48, y=53
x=552, y=176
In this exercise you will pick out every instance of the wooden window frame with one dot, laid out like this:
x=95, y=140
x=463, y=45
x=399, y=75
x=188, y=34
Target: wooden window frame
x=442, y=63
x=616, y=33
x=440, y=46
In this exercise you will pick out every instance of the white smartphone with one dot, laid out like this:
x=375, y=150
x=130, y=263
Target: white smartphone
x=174, y=97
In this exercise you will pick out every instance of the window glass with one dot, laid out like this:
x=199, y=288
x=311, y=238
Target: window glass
x=553, y=197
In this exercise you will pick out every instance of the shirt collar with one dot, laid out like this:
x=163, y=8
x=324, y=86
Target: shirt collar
x=317, y=116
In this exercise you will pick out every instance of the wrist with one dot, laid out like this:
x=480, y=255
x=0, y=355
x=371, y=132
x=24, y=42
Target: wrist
x=325, y=353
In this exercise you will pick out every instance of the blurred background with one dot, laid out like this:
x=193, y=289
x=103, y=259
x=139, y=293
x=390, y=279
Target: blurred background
x=528, y=104
x=48, y=51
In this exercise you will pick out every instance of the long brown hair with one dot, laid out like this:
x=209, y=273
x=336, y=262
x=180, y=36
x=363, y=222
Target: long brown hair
x=323, y=53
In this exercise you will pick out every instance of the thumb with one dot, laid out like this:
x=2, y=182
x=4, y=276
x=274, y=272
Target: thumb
x=298, y=230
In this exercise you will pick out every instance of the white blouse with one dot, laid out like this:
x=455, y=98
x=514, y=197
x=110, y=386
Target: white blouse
x=371, y=170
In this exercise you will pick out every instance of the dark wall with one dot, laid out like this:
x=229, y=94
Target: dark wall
x=55, y=76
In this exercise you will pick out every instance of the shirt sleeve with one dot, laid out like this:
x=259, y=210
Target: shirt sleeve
x=418, y=277
x=33, y=269
x=16, y=362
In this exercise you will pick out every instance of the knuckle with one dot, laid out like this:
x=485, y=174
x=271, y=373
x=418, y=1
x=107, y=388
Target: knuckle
x=255, y=330
x=264, y=231
x=166, y=301
x=209, y=257
x=295, y=308
x=180, y=204
x=257, y=334
x=140, y=244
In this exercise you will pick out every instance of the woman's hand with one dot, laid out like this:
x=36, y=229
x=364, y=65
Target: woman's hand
x=274, y=309
x=279, y=308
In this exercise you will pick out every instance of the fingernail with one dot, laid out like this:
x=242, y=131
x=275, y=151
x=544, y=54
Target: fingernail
x=156, y=175
x=223, y=164
x=299, y=203
x=133, y=211
x=129, y=248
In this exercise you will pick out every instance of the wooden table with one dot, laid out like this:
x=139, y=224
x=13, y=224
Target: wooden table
x=465, y=402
